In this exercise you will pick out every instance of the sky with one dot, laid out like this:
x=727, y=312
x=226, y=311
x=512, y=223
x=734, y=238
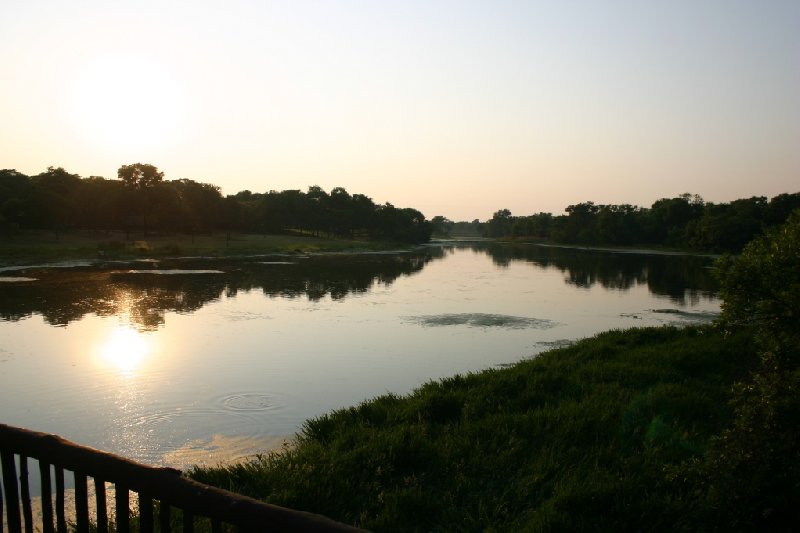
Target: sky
x=455, y=108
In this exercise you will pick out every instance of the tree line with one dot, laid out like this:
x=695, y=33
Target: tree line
x=142, y=200
x=686, y=222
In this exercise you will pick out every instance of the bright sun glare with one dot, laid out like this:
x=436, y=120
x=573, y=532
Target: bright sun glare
x=125, y=349
x=125, y=103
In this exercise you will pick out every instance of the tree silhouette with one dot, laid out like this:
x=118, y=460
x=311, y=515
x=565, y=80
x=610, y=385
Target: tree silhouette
x=139, y=179
x=139, y=175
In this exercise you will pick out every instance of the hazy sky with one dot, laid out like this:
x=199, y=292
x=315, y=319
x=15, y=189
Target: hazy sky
x=457, y=108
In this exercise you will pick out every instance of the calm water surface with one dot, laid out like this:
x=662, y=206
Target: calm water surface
x=184, y=362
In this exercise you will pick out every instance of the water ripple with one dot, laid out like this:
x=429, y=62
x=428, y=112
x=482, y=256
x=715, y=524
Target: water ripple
x=252, y=401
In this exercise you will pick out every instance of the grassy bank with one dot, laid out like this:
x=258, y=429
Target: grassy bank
x=580, y=438
x=46, y=247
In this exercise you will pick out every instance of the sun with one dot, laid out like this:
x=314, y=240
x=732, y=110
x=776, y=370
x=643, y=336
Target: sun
x=125, y=102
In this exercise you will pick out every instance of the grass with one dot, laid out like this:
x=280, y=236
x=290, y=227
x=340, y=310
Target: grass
x=579, y=438
x=47, y=247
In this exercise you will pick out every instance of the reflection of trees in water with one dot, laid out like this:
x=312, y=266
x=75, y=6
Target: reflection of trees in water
x=147, y=298
x=332, y=275
x=680, y=277
x=61, y=297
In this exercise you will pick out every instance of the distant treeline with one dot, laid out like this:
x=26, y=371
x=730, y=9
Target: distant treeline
x=685, y=222
x=141, y=200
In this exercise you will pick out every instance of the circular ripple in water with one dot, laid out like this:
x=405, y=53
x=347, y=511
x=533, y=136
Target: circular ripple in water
x=249, y=401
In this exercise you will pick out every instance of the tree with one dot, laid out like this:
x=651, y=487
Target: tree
x=500, y=224
x=17, y=200
x=139, y=179
x=199, y=205
x=442, y=226
x=139, y=175
x=580, y=225
x=761, y=289
x=728, y=227
x=750, y=478
x=56, y=191
x=341, y=212
x=98, y=203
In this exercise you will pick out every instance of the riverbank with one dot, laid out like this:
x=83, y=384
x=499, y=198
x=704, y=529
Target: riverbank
x=48, y=247
x=582, y=437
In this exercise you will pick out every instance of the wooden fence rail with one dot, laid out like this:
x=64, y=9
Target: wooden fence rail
x=165, y=487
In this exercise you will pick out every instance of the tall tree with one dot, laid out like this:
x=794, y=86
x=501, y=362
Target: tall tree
x=139, y=175
x=139, y=179
x=57, y=190
x=500, y=224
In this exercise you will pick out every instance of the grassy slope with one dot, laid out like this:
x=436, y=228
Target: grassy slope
x=40, y=247
x=575, y=439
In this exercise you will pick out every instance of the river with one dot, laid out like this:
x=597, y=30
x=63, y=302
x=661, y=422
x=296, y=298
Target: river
x=178, y=362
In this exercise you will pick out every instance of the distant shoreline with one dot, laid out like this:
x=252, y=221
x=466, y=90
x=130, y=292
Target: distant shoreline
x=48, y=248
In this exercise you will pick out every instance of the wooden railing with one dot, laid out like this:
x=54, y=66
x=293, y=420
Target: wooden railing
x=159, y=491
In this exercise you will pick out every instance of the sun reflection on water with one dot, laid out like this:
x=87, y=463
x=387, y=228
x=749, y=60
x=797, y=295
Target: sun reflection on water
x=125, y=349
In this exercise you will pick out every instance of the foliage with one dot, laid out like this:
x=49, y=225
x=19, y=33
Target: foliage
x=682, y=222
x=761, y=289
x=139, y=175
x=142, y=199
x=576, y=439
x=750, y=478
x=442, y=226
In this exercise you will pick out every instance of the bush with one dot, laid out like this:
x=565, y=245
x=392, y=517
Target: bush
x=750, y=478
x=761, y=289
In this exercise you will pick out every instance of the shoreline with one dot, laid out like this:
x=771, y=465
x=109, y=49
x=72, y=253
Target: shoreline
x=45, y=250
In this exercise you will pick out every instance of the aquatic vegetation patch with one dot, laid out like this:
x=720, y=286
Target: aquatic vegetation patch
x=481, y=320
x=168, y=272
x=693, y=316
x=559, y=343
x=62, y=264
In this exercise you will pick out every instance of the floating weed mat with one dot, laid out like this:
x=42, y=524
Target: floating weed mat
x=481, y=320
x=559, y=343
x=694, y=316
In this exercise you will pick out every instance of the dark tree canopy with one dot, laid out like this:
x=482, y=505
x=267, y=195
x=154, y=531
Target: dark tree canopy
x=142, y=199
x=748, y=479
x=139, y=175
x=761, y=288
x=685, y=221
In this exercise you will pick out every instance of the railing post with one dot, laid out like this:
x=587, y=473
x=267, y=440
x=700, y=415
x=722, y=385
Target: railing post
x=61, y=519
x=1, y=505
x=188, y=521
x=163, y=516
x=100, y=502
x=25, y=490
x=47, y=497
x=145, y=514
x=81, y=503
x=121, y=498
x=12, y=492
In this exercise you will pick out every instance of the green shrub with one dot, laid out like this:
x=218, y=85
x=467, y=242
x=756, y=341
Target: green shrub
x=750, y=478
